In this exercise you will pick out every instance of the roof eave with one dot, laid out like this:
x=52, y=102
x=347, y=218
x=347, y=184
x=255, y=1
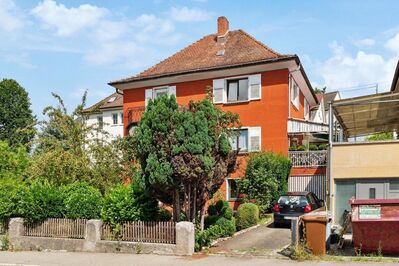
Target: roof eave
x=266, y=61
x=395, y=78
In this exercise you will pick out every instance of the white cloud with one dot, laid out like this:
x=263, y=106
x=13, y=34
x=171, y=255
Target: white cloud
x=368, y=42
x=393, y=44
x=10, y=19
x=343, y=69
x=185, y=14
x=68, y=21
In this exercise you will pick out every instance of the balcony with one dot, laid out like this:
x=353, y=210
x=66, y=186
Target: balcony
x=302, y=126
x=308, y=158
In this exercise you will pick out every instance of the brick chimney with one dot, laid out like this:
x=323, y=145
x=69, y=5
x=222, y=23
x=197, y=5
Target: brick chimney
x=223, y=26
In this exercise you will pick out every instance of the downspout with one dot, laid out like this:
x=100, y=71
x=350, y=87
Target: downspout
x=118, y=91
x=329, y=159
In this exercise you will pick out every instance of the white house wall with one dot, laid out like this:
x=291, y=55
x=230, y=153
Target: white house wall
x=114, y=131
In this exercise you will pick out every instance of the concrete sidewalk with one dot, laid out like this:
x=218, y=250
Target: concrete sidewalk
x=83, y=259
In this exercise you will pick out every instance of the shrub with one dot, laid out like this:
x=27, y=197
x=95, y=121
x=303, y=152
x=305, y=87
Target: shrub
x=323, y=147
x=164, y=215
x=128, y=203
x=301, y=148
x=219, y=223
x=293, y=148
x=247, y=215
x=82, y=201
x=222, y=228
x=12, y=192
x=221, y=209
x=313, y=147
x=42, y=201
x=265, y=178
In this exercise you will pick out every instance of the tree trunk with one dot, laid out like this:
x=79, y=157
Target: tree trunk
x=194, y=205
x=202, y=216
x=189, y=203
x=177, y=205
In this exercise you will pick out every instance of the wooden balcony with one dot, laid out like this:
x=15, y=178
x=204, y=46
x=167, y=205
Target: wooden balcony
x=308, y=158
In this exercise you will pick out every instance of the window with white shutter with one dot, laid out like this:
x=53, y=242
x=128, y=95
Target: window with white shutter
x=218, y=91
x=148, y=96
x=172, y=90
x=255, y=87
x=254, y=138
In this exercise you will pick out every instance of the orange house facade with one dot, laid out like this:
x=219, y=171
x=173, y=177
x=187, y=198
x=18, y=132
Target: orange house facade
x=269, y=91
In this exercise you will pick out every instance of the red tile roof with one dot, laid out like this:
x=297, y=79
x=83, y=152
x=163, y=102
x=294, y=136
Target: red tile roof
x=239, y=48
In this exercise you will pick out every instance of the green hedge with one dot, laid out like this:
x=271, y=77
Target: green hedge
x=12, y=192
x=129, y=203
x=247, y=215
x=82, y=201
x=42, y=200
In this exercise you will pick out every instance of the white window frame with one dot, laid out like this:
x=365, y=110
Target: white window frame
x=117, y=119
x=217, y=85
x=228, y=190
x=150, y=93
x=231, y=80
x=248, y=144
x=100, y=123
x=294, y=90
x=159, y=89
x=121, y=116
x=251, y=131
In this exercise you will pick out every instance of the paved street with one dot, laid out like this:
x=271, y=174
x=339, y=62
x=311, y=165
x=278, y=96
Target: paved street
x=264, y=240
x=87, y=259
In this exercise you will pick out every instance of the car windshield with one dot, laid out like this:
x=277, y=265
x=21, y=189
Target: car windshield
x=292, y=200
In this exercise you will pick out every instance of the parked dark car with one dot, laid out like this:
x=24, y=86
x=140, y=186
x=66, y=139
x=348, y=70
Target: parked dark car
x=294, y=204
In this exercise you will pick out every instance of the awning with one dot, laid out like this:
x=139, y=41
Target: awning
x=368, y=114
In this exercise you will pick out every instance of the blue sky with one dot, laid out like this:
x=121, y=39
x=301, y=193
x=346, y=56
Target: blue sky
x=70, y=46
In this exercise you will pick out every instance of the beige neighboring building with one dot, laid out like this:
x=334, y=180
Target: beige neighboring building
x=364, y=169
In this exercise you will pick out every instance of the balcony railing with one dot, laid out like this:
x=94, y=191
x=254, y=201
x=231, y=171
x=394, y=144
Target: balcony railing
x=301, y=126
x=134, y=114
x=308, y=158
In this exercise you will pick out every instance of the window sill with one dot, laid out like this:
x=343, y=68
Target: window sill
x=237, y=102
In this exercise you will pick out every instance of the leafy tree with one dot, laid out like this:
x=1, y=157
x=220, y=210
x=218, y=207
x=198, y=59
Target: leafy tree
x=184, y=152
x=69, y=150
x=13, y=161
x=380, y=136
x=265, y=178
x=16, y=118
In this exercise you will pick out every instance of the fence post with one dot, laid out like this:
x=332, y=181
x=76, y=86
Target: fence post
x=92, y=235
x=16, y=228
x=295, y=231
x=185, y=238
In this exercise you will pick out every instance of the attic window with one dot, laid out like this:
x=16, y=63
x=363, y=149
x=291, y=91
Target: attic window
x=110, y=100
x=220, y=52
